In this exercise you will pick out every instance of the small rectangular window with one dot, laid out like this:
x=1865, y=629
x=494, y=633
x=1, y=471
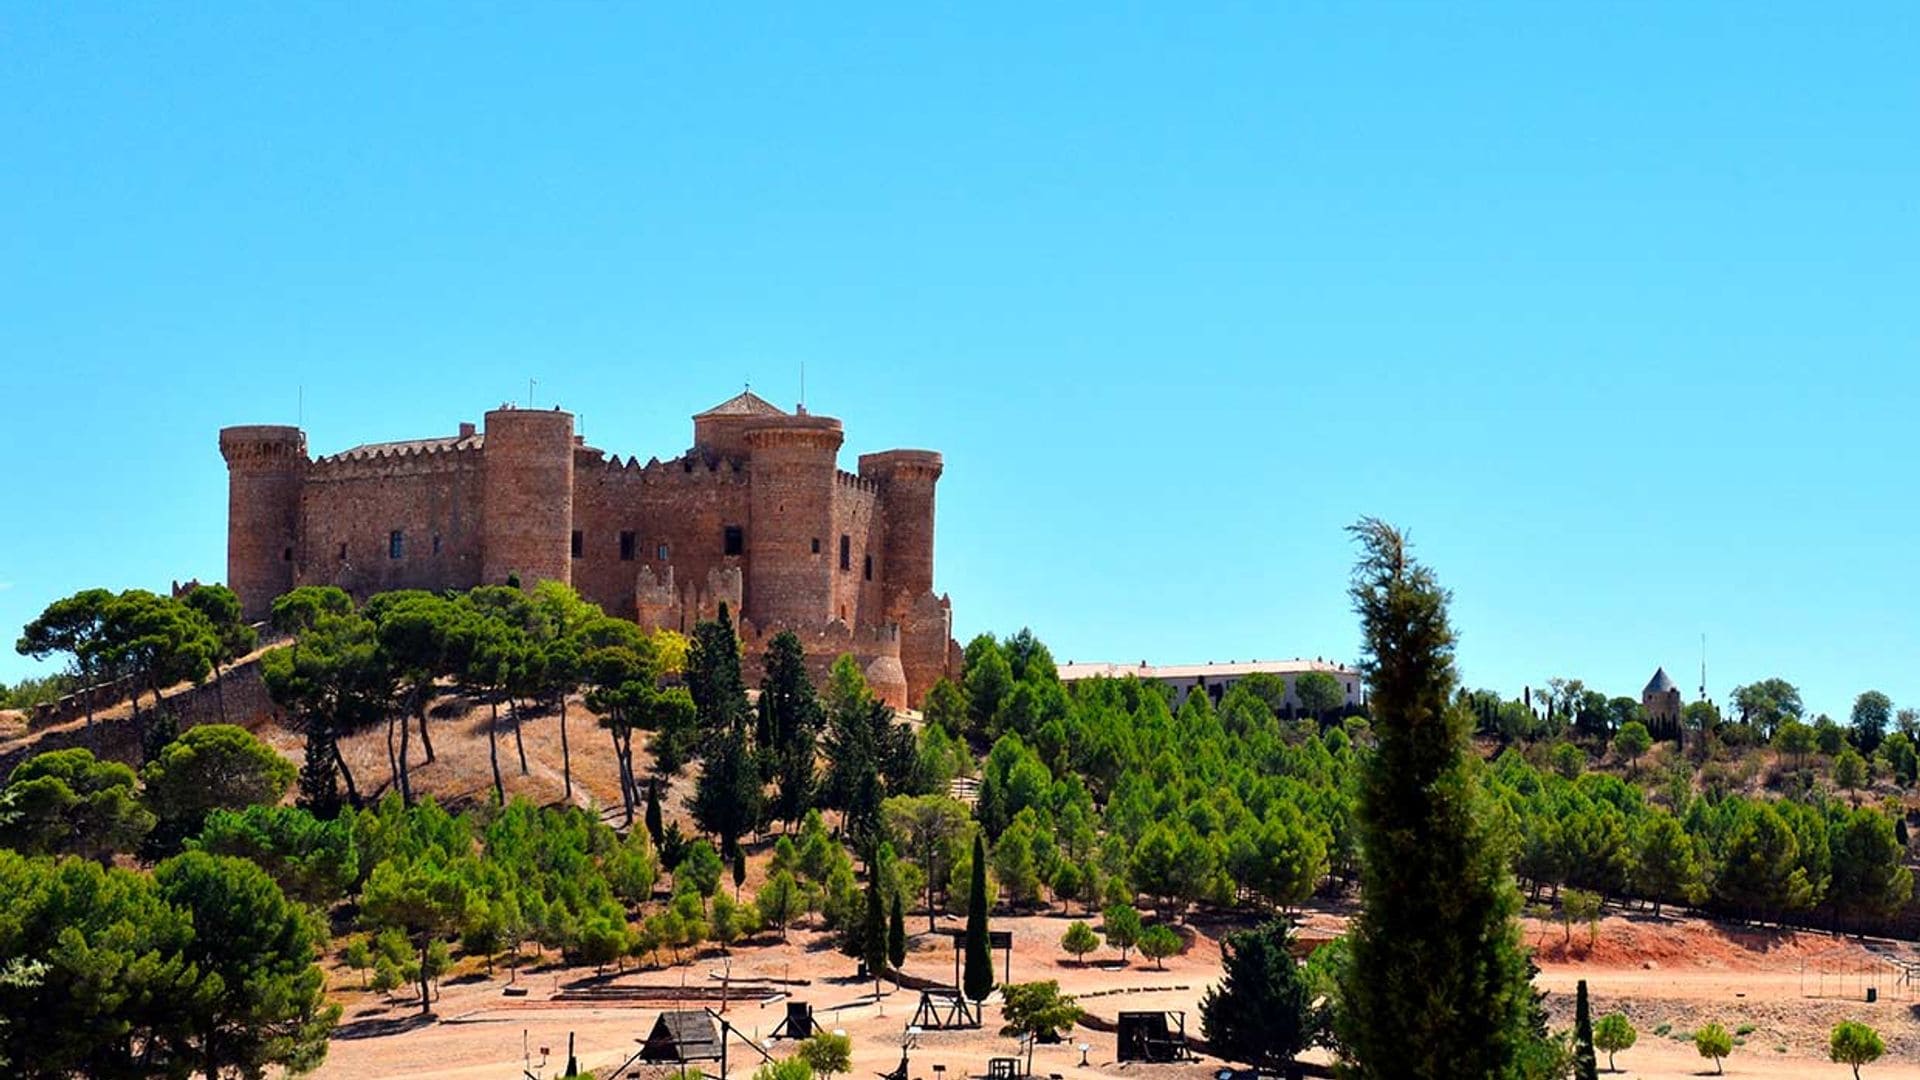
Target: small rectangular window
x=660, y=553
x=733, y=540
x=816, y=545
x=866, y=568
x=343, y=551
x=579, y=543
x=846, y=552
x=396, y=544
x=286, y=554
x=627, y=542
x=436, y=543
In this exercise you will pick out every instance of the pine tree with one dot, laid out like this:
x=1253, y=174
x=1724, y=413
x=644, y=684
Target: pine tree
x=1437, y=984
x=1586, y=1065
x=1261, y=1012
x=977, y=981
x=318, y=784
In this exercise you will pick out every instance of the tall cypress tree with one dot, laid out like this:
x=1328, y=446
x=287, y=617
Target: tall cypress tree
x=1586, y=1065
x=1437, y=983
x=977, y=978
x=653, y=811
x=897, y=936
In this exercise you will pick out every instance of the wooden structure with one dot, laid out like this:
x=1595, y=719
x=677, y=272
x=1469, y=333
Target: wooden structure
x=945, y=1010
x=899, y=1071
x=681, y=1036
x=1003, y=1068
x=1148, y=1037
x=799, y=1023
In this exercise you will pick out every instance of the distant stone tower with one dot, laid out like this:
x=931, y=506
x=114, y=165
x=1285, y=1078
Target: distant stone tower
x=793, y=545
x=266, y=467
x=527, y=515
x=1661, y=699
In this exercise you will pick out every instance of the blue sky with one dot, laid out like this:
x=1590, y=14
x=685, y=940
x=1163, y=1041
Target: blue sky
x=1612, y=306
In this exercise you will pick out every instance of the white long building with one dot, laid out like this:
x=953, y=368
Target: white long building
x=1216, y=678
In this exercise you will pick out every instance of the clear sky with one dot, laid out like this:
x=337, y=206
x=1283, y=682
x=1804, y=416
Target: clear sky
x=1616, y=307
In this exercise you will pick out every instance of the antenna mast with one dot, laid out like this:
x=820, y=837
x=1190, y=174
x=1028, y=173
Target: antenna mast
x=1703, y=666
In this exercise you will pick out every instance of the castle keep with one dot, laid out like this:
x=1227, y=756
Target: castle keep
x=756, y=515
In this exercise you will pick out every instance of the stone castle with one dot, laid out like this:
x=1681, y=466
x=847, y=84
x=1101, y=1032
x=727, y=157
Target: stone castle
x=756, y=515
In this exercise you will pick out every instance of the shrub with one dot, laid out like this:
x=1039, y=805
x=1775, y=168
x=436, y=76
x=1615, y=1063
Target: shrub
x=1712, y=1041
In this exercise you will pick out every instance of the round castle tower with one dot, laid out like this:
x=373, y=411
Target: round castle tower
x=791, y=556
x=266, y=468
x=526, y=526
x=908, y=478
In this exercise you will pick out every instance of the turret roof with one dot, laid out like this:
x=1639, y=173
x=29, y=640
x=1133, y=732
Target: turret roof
x=1659, y=684
x=745, y=403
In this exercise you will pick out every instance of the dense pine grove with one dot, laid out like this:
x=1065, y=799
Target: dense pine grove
x=1101, y=798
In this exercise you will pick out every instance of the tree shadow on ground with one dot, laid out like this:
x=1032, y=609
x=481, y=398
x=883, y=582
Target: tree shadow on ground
x=375, y=1029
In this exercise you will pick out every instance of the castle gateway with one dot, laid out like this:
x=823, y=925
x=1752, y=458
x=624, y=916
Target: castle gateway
x=756, y=515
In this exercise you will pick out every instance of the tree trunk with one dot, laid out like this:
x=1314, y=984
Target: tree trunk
x=393, y=756
x=930, y=927
x=426, y=740
x=566, y=755
x=519, y=745
x=406, y=785
x=346, y=774
x=493, y=753
x=623, y=769
x=426, y=1001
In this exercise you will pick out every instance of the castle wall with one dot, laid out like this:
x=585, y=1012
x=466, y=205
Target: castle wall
x=856, y=587
x=793, y=541
x=351, y=506
x=527, y=513
x=265, y=467
x=686, y=504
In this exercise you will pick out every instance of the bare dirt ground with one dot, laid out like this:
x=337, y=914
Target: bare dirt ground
x=1736, y=978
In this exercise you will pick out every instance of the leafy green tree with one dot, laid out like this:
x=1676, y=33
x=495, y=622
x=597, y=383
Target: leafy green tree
x=263, y=999
x=977, y=979
x=235, y=638
x=1766, y=704
x=1437, y=894
x=413, y=629
x=67, y=802
x=1759, y=864
x=211, y=767
x=1318, y=693
x=701, y=868
x=1158, y=942
x=653, y=810
x=1666, y=867
x=778, y=902
x=1850, y=772
x=1034, y=1011
x=312, y=860
x=1872, y=711
x=1613, y=1033
x=988, y=679
x=157, y=641
x=792, y=1068
x=77, y=627
x=1854, y=1044
x=1120, y=923
x=1568, y=760
x=1712, y=1041
x=929, y=827
x=1794, y=740
x=425, y=897
x=1079, y=940
x=1631, y=741
x=1584, y=1065
x=713, y=677
x=790, y=723
x=870, y=754
x=1578, y=905
x=728, y=799
x=1870, y=879
x=1261, y=1012
x=1902, y=761
x=826, y=1053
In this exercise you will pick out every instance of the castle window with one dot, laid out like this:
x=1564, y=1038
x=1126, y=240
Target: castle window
x=733, y=540
x=866, y=568
x=846, y=552
x=436, y=543
x=286, y=554
x=579, y=543
x=396, y=544
x=660, y=553
x=343, y=551
x=627, y=543
x=816, y=545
